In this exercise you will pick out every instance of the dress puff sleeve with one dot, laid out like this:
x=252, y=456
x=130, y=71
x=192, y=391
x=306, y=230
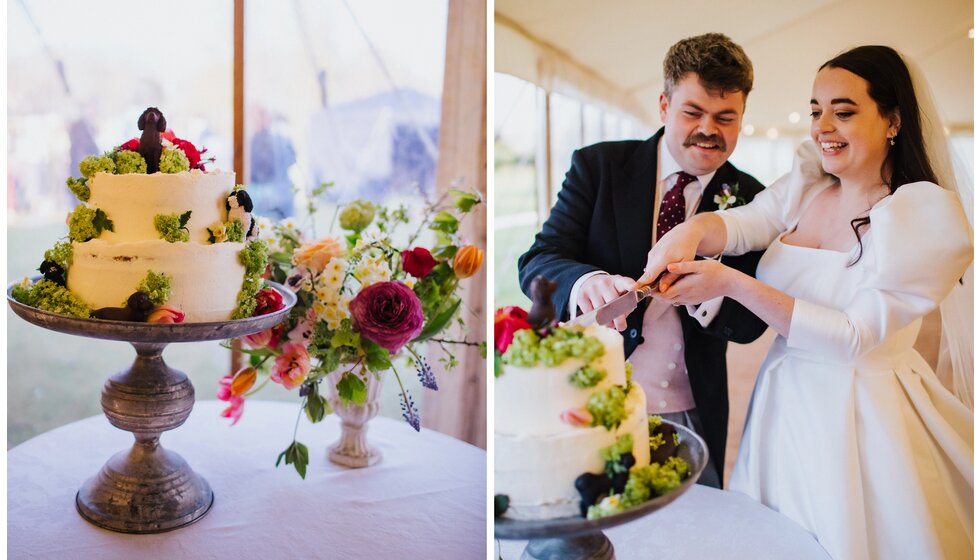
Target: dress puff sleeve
x=919, y=245
x=777, y=208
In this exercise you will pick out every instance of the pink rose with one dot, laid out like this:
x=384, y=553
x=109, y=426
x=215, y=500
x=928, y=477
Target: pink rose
x=388, y=314
x=291, y=366
x=418, y=262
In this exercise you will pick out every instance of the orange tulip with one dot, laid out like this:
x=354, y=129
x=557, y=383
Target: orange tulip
x=468, y=261
x=243, y=381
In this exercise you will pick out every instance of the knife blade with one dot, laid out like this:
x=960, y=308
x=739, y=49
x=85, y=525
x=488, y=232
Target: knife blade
x=626, y=303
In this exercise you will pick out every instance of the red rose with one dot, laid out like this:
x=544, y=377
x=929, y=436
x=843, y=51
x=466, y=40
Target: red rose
x=191, y=151
x=132, y=145
x=507, y=321
x=267, y=301
x=418, y=262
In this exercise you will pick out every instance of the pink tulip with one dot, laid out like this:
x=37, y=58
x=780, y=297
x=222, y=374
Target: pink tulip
x=291, y=366
x=165, y=314
x=236, y=406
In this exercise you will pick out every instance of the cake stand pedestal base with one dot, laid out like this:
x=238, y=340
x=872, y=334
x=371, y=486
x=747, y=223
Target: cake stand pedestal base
x=591, y=546
x=144, y=490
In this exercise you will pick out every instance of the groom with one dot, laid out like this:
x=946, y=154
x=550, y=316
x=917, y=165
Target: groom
x=618, y=198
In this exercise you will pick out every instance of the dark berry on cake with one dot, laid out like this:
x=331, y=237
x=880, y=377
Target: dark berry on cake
x=591, y=487
x=500, y=504
x=667, y=443
x=53, y=271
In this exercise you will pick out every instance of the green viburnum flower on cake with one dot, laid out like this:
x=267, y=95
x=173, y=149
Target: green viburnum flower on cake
x=173, y=227
x=367, y=297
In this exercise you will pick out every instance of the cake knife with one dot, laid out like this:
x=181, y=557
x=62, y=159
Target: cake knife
x=626, y=303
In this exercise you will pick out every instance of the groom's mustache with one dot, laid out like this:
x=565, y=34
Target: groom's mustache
x=703, y=139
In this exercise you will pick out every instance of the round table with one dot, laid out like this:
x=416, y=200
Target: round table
x=706, y=523
x=425, y=499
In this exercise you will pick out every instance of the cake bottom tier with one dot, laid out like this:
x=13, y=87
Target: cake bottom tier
x=538, y=473
x=205, y=279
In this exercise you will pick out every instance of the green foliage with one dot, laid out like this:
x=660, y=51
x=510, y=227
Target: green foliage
x=254, y=257
x=297, y=455
x=654, y=480
x=128, y=161
x=345, y=338
x=352, y=389
x=48, y=296
x=608, y=408
x=173, y=227
x=61, y=253
x=357, y=215
x=464, y=201
x=173, y=160
x=315, y=406
x=444, y=222
x=90, y=165
x=79, y=187
x=587, y=376
x=528, y=349
x=87, y=223
x=376, y=357
x=234, y=232
x=156, y=286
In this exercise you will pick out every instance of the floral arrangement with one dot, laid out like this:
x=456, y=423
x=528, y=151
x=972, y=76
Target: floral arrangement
x=728, y=197
x=362, y=302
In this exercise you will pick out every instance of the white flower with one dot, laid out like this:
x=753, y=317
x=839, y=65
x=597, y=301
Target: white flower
x=289, y=224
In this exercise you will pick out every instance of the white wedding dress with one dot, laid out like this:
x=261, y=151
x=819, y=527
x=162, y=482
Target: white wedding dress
x=849, y=432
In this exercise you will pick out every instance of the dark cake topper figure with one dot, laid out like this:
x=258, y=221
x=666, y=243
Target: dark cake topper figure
x=542, y=313
x=152, y=123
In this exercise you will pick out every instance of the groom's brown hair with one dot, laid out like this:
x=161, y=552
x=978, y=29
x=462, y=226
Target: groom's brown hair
x=720, y=64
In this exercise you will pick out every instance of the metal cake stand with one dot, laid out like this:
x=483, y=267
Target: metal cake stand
x=577, y=538
x=147, y=489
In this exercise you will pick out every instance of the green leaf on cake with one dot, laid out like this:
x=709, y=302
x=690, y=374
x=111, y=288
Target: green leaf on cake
x=352, y=389
x=184, y=218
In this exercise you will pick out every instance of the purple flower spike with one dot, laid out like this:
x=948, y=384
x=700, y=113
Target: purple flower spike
x=426, y=376
x=410, y=413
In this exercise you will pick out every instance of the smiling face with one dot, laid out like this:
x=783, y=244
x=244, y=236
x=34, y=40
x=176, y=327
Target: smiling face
x=848, y=126
x=701, y=126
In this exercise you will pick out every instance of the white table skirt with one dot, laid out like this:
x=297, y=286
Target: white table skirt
x=425, y=499
x=706, y=523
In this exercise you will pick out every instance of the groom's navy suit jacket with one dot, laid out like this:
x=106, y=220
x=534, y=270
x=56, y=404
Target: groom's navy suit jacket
x=603, y=220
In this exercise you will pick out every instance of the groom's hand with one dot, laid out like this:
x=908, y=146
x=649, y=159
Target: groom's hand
x=600, y=290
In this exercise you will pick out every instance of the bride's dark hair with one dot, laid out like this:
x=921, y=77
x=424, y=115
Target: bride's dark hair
x=890, y=86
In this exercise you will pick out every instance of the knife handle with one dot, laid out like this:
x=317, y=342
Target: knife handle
x=645, y=292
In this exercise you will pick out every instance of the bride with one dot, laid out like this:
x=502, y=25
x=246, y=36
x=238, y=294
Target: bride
x=849, y=432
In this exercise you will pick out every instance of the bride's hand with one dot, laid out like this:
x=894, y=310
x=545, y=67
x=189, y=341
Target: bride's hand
x=678, y=245
x=699, y=281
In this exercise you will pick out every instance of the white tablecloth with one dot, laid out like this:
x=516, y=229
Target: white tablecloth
x=425, y=499
x=706, y=523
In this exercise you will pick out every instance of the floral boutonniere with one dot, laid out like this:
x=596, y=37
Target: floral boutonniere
x=728, y=197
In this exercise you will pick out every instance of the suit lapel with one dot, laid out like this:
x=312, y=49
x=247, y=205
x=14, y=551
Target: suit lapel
x=633, y=205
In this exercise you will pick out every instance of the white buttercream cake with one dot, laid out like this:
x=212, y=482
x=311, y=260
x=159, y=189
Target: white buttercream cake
x=545, y=434
x=205, y=277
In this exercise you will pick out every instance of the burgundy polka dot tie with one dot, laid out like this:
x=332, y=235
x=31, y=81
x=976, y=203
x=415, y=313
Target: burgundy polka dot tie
x=672, y=207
